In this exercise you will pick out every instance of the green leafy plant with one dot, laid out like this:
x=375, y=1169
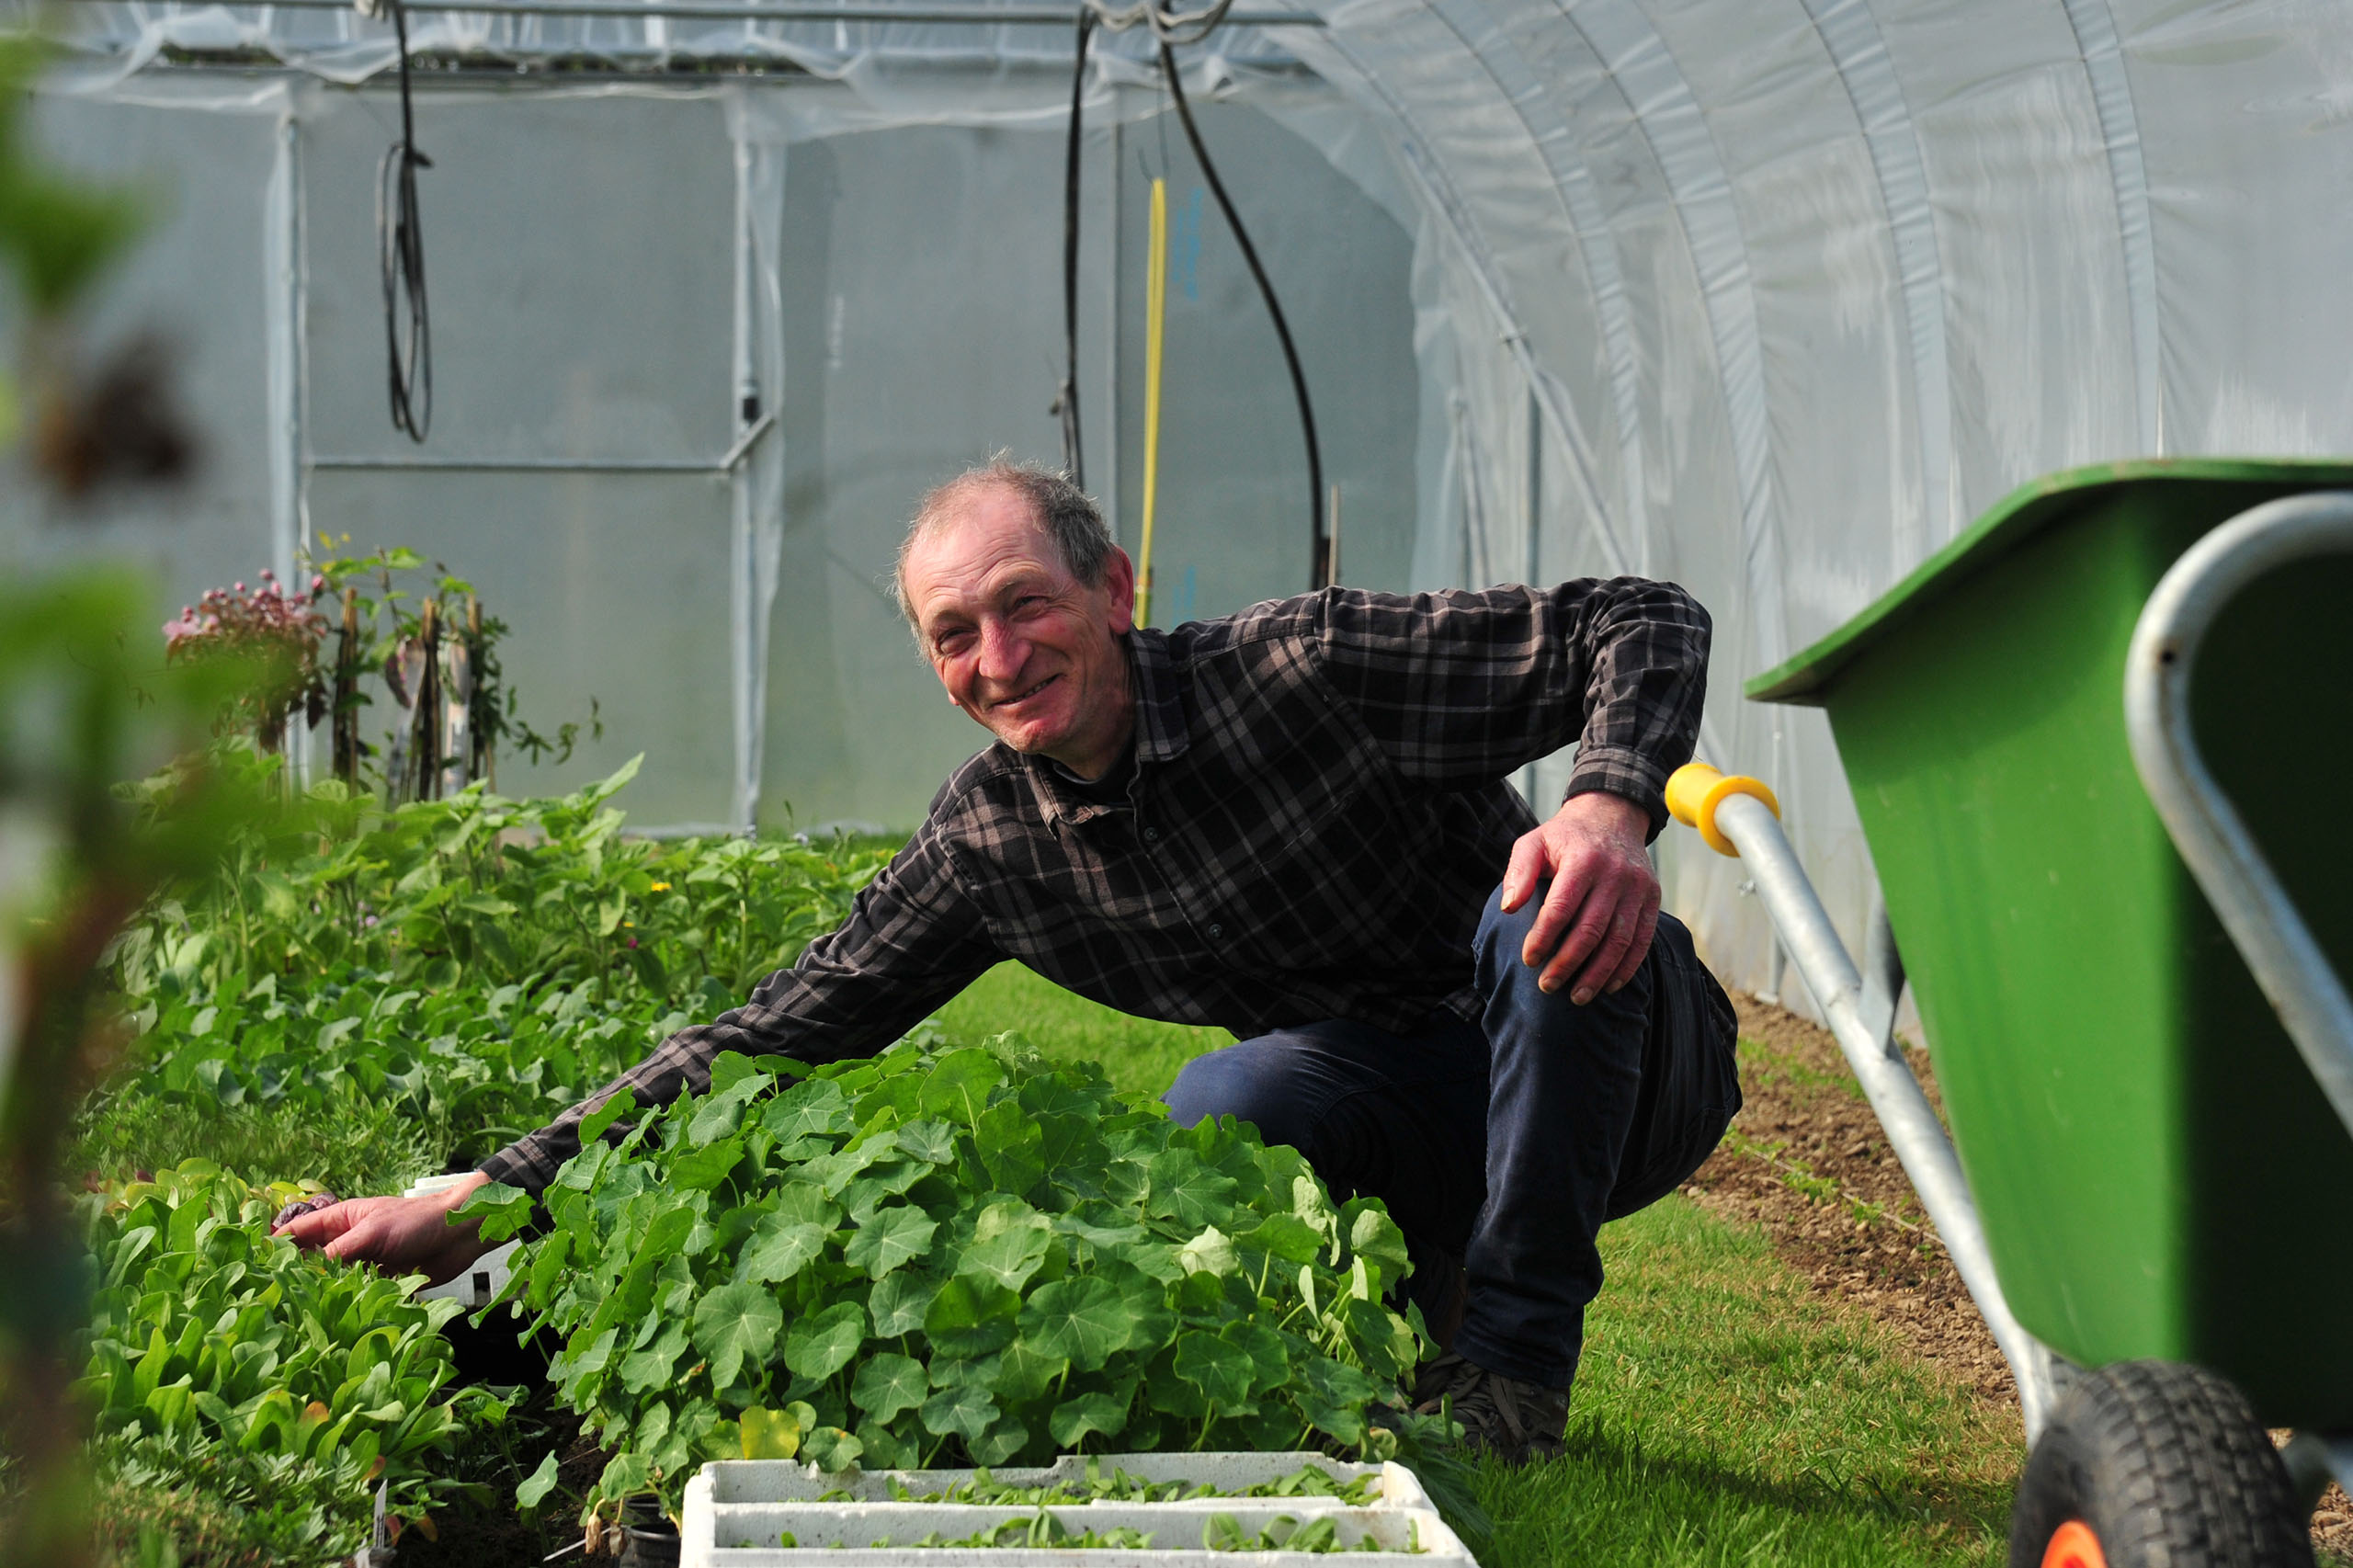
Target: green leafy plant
x=471, y=965
x=283, y=1384
x=961, y=1258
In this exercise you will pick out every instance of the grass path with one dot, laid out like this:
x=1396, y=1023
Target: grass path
x=1724, y=1414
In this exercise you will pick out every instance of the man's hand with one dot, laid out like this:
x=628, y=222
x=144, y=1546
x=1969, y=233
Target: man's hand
x=1599, y=913
x=400, y=1236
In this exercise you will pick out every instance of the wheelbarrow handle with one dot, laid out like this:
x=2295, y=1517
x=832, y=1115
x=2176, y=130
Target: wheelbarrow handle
x=2229, y=866
x=1738, y=816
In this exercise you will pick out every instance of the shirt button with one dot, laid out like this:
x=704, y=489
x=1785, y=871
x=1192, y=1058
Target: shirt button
x=1215, y=932
x=1152, y=835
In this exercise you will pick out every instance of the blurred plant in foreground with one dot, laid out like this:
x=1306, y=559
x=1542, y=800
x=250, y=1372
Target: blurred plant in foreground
x=78, y=711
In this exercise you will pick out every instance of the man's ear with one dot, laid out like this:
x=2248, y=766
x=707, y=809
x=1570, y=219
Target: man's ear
x=1120, y=582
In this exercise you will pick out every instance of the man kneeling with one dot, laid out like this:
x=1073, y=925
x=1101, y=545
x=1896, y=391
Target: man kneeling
x=1292, y=823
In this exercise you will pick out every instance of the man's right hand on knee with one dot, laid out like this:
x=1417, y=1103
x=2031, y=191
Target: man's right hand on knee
x=1595, y=928
x=400, y=1236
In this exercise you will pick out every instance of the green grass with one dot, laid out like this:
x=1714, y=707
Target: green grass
x=1140, y=1057
x=1723, y=1416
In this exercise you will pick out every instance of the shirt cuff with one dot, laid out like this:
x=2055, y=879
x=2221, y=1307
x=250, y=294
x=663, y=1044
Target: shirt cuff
x=1625, y=773
x=517, y=1164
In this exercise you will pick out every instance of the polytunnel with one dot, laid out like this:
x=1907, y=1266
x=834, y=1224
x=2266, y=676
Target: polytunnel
x=1770, y=297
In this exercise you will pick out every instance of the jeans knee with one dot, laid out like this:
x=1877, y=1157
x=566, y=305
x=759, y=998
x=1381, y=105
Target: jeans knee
x=1495, y=949
x=1248, y=1085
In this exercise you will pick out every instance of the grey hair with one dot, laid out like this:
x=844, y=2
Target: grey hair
x=1066, y=514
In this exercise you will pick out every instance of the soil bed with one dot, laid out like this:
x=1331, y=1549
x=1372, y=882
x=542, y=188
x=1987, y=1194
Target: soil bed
x=1807, y=1161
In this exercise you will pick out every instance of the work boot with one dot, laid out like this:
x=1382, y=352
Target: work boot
x=1515, y=1421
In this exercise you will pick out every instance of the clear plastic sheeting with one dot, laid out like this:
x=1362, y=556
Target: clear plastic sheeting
x=1770, y=297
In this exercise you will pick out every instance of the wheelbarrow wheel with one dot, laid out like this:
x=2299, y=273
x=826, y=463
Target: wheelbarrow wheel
x=2153, y=1464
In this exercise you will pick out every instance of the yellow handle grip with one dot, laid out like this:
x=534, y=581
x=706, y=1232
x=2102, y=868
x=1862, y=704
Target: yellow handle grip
x=1694, y=791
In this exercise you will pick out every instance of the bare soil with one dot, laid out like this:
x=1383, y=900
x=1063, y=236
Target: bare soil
x=1807, y=1161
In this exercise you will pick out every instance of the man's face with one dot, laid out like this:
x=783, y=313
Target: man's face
x=1023, y=646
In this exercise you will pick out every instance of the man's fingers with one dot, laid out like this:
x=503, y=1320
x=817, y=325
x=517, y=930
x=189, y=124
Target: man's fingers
x=1640, y=948
x=1555, y=919
x=1609, y=954
x=1592, y=925
x=322, y=1225
x=1526, y=868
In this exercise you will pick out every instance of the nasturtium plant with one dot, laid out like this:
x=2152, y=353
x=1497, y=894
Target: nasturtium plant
x=959, y=1257
x=286, y=1386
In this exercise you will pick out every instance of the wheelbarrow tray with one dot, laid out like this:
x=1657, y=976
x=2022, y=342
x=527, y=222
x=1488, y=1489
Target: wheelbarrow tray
x=2158, y=1173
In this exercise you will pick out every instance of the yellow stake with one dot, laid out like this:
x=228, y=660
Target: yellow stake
x=1155, y=309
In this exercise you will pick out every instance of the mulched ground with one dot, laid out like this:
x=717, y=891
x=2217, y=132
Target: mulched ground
x=1806, y=1160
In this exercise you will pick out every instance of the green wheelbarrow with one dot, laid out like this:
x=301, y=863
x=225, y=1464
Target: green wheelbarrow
x=2095, y=744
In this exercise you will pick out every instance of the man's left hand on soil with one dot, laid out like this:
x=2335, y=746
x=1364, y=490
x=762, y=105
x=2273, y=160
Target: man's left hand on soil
x=400, y=1236
x=1601, y=905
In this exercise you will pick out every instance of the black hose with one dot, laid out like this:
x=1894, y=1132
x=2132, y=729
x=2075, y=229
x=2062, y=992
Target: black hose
x=1066, y=403
x=1319, y=572
x=400, y=238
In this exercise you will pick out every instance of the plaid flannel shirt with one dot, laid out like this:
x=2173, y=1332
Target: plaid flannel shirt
x=1316, y=818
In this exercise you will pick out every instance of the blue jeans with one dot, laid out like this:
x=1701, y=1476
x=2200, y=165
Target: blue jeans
x=1505, y=1141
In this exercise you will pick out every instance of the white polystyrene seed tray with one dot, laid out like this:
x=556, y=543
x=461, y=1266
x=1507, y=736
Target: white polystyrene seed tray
x=738, y=1511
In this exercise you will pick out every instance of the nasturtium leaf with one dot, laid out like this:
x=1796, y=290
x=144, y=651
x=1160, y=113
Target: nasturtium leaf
x=617, y=1105
x=1186, y=1189
x=836, y=1171
x=700, y=1170
x=1008, y=1244
x=932, y=1142
x=1372, y=1234
x=965, y=1410
x=888, y=1238
x=972, y=1315
x=1011, y=1147
x=1221, y=1370
x=625, y=1475
x=821, y=1345
x=778, y=1248
x=718, y=1114
x=832, y=1449
x=1212, y=1252
x=733, y=1324
x=770, y=1434
x=649, y=1367
x=806, y=1201
x=814, y=1110
x=730, y=1068
x=1124, y=1182
x=883, y=1182
x=886, y=1384
x=503, y=1209
x=1001, y=1441
x=900, y=1302
x=1094, y=1411
x=534, y=1488
x=1286, y=1236
x=1085, y=1319
x=1024, y=1372
x=1332, y=1397
x=957, y=1088
x=1269, y=1357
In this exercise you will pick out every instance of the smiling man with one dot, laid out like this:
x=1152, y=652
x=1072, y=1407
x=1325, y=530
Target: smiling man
x=1293, y=823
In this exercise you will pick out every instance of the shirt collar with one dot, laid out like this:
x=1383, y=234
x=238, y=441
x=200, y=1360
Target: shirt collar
x=1161, y=733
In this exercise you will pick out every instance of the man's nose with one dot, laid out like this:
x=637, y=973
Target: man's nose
x=1002, y=652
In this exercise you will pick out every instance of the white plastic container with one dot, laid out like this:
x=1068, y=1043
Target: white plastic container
x=738, y=1511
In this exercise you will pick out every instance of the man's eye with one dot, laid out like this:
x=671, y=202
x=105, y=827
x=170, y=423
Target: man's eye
x=948, y=641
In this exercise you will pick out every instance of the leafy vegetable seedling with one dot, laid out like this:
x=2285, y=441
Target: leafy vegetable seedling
x=964, y=1258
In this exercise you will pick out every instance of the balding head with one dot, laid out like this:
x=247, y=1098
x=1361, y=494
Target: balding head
x=1063, y=513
